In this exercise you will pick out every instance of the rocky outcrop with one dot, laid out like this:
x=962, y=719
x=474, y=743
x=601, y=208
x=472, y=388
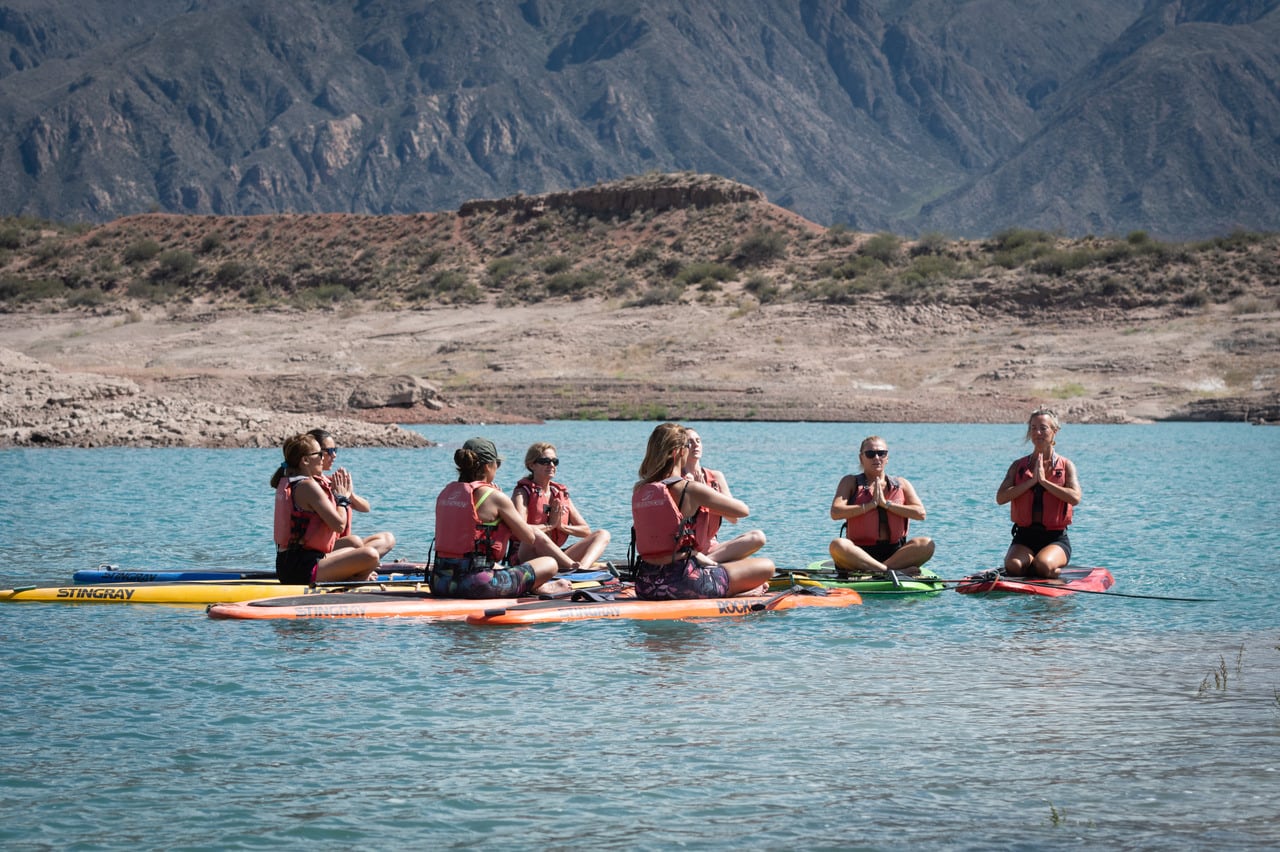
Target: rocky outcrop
x=1231, y=409
x=43, y=406
x=622, y=198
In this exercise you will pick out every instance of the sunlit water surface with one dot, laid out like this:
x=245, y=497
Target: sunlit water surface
x=955, y=721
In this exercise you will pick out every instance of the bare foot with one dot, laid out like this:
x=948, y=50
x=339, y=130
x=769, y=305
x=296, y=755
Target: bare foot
x=554, y=587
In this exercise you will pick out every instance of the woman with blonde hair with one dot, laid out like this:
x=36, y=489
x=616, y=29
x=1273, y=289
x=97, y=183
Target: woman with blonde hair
x=1042, y=491
x=311, y=512
x=664, y=511
x=877, y=509
x=545, y=504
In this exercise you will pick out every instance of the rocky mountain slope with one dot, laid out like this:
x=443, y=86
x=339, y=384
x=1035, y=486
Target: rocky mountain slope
x=1099, y=116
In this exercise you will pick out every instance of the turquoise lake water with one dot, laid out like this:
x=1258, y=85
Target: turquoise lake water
x=948, y=722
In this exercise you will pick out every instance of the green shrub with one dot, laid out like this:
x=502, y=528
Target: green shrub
x=85, y=297
x=230, y=274
x=10, y=238
x=14, y=288
x=883, y=247
x=1060, y=262
x=1011, y=239
x=857, y=267
x=429, y=259
x=929, y=268
x=211, y=242
x=553, y=265
x=762, y=246
x=174, y=265
x=48, y=250
x=156, y=292
x=697, y=272
x=658, y=294
x=641, y=256
x=573, y=283
x=324, y=294
x=141, y=251
x=763, y=288
x=930, y=243
x=500, y=269
x=839, y=234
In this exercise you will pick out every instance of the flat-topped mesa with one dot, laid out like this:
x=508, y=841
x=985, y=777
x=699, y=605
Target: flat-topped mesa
x=660, y=192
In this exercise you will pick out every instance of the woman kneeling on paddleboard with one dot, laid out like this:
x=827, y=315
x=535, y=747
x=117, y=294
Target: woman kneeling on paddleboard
x=474, y=523
x=664, y=509
x=311, y=511
x=1041, y=490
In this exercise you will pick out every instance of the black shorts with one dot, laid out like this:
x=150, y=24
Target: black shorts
x=1036, y=538
x=297, y=566
x=882, y=550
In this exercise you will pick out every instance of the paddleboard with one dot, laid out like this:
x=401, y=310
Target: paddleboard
x=361, y=604
x=112, y=574
x=823, y=573
x=196, y=592
x=632, y=608
x=1073, y=578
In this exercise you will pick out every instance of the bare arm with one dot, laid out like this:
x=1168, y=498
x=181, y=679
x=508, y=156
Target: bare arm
x=842, y=507
x=706, y=497
x=572, y=521
x=1069, y=491
x=310, y=496
x=500, y=506
x=910, y=507
x=1008, y=490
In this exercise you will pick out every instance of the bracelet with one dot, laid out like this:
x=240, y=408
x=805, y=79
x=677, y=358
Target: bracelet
x=342, y=500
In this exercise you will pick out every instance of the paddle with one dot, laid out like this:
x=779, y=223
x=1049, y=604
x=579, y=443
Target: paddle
x=772, y=603
x=1102, y=592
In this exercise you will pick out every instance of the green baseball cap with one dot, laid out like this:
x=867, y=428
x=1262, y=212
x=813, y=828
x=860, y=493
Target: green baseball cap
x=483, y=448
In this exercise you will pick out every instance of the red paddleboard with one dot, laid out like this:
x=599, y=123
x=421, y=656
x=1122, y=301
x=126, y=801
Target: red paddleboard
x=1073, y=579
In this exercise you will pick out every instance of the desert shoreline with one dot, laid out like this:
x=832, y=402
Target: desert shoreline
x=217, y=377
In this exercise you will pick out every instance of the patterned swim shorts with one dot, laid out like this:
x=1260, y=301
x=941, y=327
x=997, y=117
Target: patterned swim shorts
x=683, y=579
x=455, y=578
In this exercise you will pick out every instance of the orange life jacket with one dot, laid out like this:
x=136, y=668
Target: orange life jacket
x=459, y=530
x=865, y=529
x=660, y=527
x=537, y=499
x=1055, y=514
x=706, y=523
x=296, y=527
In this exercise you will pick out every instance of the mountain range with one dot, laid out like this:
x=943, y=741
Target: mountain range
x=958, y=117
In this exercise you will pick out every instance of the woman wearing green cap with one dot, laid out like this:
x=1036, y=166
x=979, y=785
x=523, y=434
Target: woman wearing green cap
x=475, y=521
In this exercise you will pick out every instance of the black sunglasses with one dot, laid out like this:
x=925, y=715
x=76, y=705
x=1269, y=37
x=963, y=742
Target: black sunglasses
x=547, y=460
x=875, y=454
x=330, y=451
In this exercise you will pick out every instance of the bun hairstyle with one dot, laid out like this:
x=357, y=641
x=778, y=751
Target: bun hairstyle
x=664, y=440
x=1044, y=412
x=294, y=449
x=471, y=458
x=469, y=466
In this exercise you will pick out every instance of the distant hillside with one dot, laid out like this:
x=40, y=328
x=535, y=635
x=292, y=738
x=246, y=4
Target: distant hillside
x=661, y=239
x=1095, y=117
